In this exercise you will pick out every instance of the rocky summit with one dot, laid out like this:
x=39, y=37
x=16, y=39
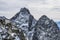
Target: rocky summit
x=46, y=29
x=24, y=19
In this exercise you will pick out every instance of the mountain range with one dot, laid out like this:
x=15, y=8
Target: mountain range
x=23, y=26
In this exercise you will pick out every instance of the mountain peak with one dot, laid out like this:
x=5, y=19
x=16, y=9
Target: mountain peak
x=24, y=10
x=25, y=21
x=44, y=17
x=43, y=20
x=46, y=29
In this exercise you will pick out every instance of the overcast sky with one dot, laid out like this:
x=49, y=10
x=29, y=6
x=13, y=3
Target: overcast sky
x=51, y=8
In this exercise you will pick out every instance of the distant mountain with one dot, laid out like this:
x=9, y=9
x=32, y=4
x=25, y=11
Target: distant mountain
x=25, y=21
x=58, y=23
x=46, y=29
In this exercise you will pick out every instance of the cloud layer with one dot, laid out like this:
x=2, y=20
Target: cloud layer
x=51, y=8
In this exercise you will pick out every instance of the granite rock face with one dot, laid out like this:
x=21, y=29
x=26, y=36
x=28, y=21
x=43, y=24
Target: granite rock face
x=46, y=29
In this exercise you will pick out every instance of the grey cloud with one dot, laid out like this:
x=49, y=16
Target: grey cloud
x=56, y=9
x=5, y=6
x=9, y=6
x=2, y=3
